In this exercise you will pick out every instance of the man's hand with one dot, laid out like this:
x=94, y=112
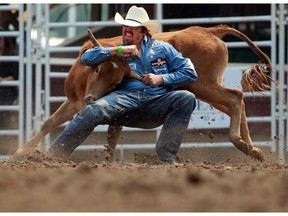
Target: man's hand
x=152, y=79
x=129, y=50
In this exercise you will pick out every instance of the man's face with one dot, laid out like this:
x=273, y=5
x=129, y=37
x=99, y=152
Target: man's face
x=132, y=35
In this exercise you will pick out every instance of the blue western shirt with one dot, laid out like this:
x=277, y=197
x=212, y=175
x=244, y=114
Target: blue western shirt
x=158, y=57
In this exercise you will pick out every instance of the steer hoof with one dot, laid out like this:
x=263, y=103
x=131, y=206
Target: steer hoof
x=109, y=153
x=20, y=154
x=107, y=157
x=257, y=154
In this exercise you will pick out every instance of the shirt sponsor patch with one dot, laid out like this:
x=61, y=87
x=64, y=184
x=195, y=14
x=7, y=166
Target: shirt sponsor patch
x=132, y=66
x=154, y=44
x=158, y=62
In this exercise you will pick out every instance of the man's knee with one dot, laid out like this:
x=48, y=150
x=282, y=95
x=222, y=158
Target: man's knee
x=87, y=112
x=188, y=98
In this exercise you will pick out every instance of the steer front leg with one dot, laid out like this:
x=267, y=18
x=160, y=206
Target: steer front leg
x=64, y=113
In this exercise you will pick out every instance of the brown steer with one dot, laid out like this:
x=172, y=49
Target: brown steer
x=210, y=57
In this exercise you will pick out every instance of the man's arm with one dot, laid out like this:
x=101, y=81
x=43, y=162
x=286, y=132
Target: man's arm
x=181, y=70
x=97, y=55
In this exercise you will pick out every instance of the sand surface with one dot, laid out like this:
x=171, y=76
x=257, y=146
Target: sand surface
x=42, y=184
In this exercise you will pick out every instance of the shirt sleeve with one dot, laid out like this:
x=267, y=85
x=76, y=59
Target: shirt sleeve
x=95, y=56
x=181, y=70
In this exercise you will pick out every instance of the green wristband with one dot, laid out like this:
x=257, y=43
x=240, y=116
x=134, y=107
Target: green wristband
x=119, y=49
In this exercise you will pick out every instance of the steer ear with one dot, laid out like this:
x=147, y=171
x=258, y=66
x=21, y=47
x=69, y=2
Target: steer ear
x=93, y=39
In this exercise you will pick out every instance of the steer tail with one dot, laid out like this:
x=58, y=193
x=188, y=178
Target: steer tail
x=257, y=77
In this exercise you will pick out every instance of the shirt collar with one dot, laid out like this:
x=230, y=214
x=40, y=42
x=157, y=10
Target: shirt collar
x=145, y=40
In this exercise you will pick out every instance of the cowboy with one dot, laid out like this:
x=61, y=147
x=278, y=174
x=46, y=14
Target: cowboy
x=147, y=104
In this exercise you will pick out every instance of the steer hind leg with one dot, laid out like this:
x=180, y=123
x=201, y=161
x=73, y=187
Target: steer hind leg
x=244, y=143
x=230, y=101
x=253, y=151
x=64, y=113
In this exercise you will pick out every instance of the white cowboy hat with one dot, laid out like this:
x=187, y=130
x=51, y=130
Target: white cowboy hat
x=137, y=16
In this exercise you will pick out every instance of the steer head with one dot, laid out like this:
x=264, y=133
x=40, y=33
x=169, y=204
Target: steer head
x=107, y=75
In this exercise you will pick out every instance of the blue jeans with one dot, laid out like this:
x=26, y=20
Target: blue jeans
x=132, y=109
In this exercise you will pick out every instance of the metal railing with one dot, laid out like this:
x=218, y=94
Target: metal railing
x=19, y=131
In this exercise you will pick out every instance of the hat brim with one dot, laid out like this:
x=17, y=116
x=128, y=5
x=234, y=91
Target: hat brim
x=152, y=26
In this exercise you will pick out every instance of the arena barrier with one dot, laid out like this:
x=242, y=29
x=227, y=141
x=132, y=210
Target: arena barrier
x=17, y=108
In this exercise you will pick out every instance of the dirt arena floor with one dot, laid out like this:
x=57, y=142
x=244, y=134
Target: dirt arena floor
x=41, y=184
